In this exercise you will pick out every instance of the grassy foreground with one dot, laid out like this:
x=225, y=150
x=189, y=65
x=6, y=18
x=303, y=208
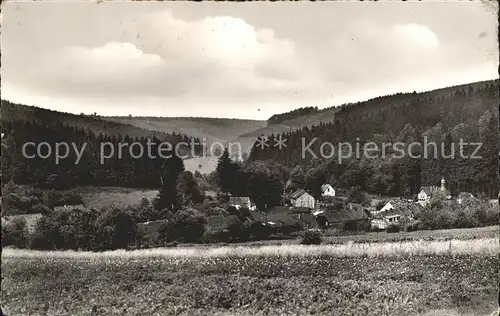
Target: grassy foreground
x=407, y=278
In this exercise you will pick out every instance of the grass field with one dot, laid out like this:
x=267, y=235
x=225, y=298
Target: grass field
x=102, y=197
x=377, y=237
x=457, y=277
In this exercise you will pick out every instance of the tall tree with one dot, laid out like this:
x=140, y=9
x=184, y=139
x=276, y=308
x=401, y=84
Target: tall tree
x=263, y=183
x=188, y=191
x=167, y=195
x=227, y=173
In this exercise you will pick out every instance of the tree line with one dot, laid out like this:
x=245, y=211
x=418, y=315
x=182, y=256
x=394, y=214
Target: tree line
x=128, y=170
x=444, y=116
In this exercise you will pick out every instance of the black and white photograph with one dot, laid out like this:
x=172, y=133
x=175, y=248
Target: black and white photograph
x=249, y=159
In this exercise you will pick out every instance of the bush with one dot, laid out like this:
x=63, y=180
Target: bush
x=116, y=229
x=14, y=233
x=15, y=204
x=187, y=225
x=46, y=235
x=216, y=236
x=237, y=229
x=311, y=238
x=393, y=228
x=488, y=215
x=85, y=230
x=65, y=230
x=145, y=211
x=257, y=231
x=472, y=213
x=414, y=226
x=213, y=207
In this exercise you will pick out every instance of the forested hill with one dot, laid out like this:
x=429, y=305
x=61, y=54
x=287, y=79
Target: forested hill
x=297, y=113
x=11, y=112
x=211, y=129
x=468, y=112
x=23, y=124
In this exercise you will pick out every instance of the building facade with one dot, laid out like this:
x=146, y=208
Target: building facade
x=301, y=198
x=327, y=190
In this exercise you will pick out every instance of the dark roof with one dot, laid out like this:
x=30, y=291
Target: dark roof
x=298, y=193
x=325, y=186
x=427, y=190
x=256, y=216
x=281, y=219
x=344, y=215
x=301, y=210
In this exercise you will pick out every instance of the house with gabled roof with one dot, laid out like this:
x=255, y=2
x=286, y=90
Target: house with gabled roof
x=327, y=190
x=426, y=192
x=392, y=213
x=352, y=213
x=301, y=198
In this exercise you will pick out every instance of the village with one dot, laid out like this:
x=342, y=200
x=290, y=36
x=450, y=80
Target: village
x=334, y=213
x=227, y=218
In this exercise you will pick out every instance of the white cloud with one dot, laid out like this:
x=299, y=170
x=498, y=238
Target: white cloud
x=110, y=62
x=198, y=57
x=415, y=37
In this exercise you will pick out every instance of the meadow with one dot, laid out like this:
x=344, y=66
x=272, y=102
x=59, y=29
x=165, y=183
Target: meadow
x=384, y=237
x=455, y=277
x=105, y=197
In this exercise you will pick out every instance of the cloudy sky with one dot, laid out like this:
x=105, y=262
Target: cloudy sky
x=247, y=60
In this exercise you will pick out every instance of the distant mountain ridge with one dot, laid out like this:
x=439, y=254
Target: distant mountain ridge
x=11, y=112
x=221, y=130
x=228, y=130
x=444, y=116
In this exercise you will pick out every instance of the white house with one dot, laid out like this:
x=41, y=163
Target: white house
x=327, y=190
x=392, y=212
x=387, y=206
x=426, y=193
x=301, y=198
x=242, y=201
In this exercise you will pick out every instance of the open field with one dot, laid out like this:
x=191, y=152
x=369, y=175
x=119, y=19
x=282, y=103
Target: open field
x=376, y=237
x=456, y=277
x=100, y=197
